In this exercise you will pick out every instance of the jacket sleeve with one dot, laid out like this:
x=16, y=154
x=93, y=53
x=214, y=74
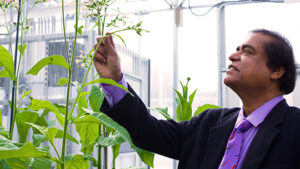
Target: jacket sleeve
x=160, y=136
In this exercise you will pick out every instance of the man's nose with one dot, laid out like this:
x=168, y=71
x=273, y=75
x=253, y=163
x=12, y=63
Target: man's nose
x=235, y=56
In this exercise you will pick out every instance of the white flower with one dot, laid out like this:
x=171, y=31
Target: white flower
x=77, y=61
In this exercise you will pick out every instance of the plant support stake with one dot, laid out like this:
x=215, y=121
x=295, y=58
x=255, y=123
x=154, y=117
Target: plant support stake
x=12, y=114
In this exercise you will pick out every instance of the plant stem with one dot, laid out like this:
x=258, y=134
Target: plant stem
x=99, y=28
x=8, y=32
x=64, y=29
x=84, y=79
x=66, y=123
x=105, y=149
x=17, y=75
x=99, y=150
x=125, y=29
x=101, y=33
x=55, y=149
x=103, y=23
x=15, y=81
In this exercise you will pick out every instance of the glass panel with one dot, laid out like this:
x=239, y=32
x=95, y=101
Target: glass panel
x=198, y=57
x=274, y=16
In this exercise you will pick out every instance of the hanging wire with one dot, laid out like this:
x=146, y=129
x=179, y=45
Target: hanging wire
x=223, y=3
x=205, y=13
x=170, y=5
x=182, y=3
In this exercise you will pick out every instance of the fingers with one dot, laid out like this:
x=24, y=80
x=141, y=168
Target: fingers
x=100, y=55
x=111, y=40
x=101, y=50
x=98, y=38
x=107, y=43
x=106, y=49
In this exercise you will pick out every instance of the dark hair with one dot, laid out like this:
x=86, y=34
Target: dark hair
x=280, y=54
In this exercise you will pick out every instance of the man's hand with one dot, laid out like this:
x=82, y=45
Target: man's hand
x=106, y=59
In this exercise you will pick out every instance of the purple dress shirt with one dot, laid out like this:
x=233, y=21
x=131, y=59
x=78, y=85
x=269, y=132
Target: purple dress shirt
x=114, y=95
x=255, y=118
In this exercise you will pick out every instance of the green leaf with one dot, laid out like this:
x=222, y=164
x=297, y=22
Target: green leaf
x=92, y=160
x=17, y=163
x=4, y=165
x=115, y=150
x=185, y=88
x=146, y=157
x=184, y=92
x=7, y=150
x=50, y=60
x=38, y=138
x=4, y=132
x=60, y=133
x=6, y=144
x=1, y=118
x=88, y=130
x=50, y=133
x=4, y=73
x=41, y=163
x=9, y=102
x=191, y=97
x=44, y=104
x=111, y=140
x=204, y=107
x=79, y=30
x=96, y=98
x=109, y=82
x=22, y=48
x=76, y=84
x=62, y=81
x=25, y=94
x=163, y=111
x=60, y=108
x=123, y=41
x=76, y=162
x=43, y=121
x=22, y=118
x=82, y=103
x=6, y=60
x=184, y=109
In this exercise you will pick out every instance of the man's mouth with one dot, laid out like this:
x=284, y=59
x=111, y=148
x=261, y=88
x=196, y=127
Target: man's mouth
x=231, y=67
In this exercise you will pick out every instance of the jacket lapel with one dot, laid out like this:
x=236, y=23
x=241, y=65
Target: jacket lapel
x=217, y=140
x=266, y=134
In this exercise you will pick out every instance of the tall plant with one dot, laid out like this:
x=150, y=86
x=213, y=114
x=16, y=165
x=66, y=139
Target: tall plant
x=184, y=105
x=89, y=121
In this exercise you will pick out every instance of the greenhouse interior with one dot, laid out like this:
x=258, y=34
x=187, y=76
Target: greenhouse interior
x=174, y=55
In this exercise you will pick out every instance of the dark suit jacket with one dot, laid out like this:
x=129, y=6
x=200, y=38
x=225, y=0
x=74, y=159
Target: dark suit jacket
x=200, y=142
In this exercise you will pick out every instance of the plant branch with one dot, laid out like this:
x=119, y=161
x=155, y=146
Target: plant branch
x=125, y=29
x=64, y=28
x=66, y=123
x=99, y=150
x=55, y=149
x=8, y=32
x=103, y=23
x=84, y=79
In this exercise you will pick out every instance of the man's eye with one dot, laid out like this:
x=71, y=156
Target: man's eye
x=247, y=51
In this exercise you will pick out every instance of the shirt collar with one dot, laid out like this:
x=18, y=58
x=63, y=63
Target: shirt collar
x=258, y=116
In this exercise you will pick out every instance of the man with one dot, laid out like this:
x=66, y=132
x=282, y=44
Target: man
x=263, y=134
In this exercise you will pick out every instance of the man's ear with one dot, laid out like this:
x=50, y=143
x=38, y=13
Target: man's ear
x=277, y=73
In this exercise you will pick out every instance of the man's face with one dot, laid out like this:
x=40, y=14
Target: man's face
x=248, y=70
